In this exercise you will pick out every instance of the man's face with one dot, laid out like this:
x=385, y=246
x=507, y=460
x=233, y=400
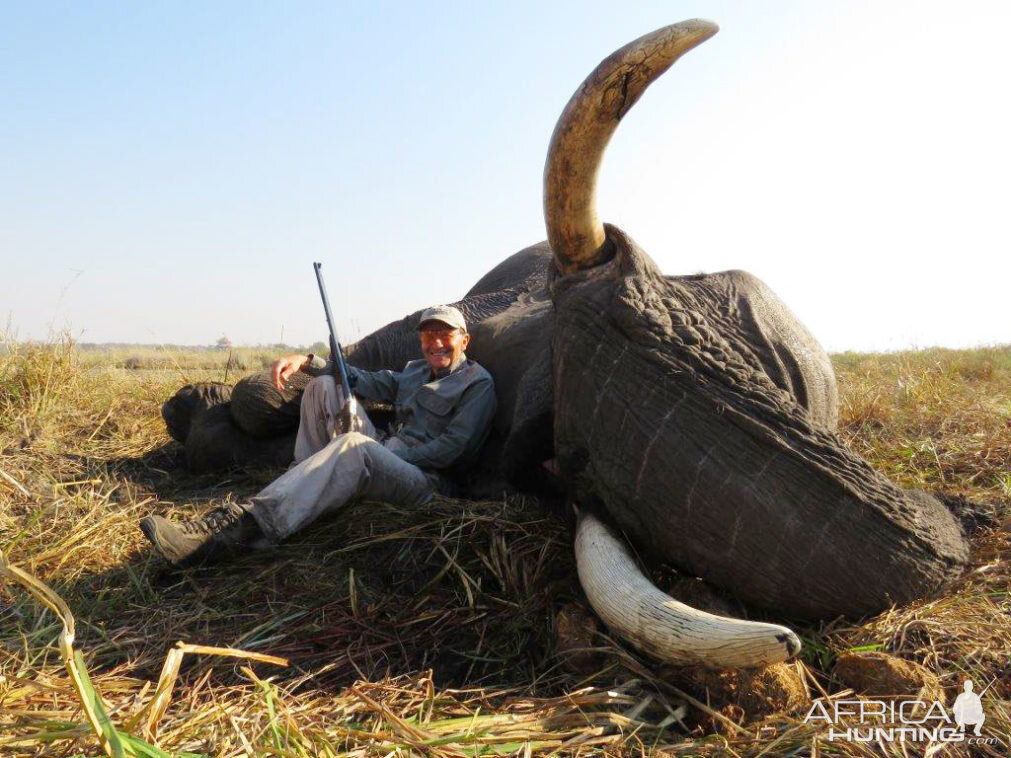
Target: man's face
x=442, y=345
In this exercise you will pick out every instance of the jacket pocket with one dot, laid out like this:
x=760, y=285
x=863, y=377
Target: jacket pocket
x=434, y=403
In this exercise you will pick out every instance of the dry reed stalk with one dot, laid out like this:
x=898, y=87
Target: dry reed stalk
x=170, y=671
x=74, y=663
x=14, y=483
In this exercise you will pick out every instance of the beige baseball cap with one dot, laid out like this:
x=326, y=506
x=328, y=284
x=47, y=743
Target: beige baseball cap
x=447, y=314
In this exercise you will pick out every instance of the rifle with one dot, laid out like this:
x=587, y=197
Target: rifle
x=987, y=687
x=348, y=420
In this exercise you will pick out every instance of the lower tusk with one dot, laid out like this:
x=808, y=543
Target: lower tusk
x=630, y=604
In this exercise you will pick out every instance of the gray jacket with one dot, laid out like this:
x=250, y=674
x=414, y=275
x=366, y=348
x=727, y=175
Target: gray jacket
x=443, y=421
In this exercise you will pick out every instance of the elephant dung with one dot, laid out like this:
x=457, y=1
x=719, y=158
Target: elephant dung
x=575, y=627
x=878, y=674
x=744, y=695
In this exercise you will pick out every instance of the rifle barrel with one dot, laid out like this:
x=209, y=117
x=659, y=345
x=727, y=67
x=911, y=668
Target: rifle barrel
x=337, y=353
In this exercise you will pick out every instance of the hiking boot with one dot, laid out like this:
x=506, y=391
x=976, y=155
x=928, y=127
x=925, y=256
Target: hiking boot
x=224, y=530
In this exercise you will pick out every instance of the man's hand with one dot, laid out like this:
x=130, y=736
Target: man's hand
x=282, y=369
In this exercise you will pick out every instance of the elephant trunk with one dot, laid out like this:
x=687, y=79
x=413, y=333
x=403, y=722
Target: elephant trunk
x=637, y=611
x=585, y=127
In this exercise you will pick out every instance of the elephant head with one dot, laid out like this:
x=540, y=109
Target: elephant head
x=671, y=422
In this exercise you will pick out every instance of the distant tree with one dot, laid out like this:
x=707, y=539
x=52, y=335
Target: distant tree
x=319, y=348
x=223, y=343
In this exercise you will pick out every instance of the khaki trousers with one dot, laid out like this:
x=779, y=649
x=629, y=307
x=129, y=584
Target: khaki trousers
x=331, y=471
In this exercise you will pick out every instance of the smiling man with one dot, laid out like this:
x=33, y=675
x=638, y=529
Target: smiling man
x=444, y=407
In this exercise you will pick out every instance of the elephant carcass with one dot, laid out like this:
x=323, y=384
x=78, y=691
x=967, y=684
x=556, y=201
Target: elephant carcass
x=694, y=413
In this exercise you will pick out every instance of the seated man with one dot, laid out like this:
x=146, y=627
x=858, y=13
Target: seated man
x=444, y=408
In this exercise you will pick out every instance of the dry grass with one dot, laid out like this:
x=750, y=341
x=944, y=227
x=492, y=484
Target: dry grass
x=416, y=632
x=184, y=359
x=934, y=418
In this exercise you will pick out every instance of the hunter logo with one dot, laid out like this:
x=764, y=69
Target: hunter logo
x=904, y=720
x=968, y=708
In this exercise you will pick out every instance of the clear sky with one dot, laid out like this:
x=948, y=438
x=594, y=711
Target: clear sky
x=169, y=170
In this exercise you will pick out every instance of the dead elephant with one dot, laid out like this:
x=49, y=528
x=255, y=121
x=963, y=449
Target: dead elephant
x=694, y=414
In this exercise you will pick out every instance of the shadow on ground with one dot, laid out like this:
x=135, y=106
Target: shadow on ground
x=466, y=589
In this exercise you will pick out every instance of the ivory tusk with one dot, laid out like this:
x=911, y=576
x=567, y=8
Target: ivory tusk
x=584, y=129
x=631, y=605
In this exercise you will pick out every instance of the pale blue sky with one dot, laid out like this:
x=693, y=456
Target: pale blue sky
x=168, y=171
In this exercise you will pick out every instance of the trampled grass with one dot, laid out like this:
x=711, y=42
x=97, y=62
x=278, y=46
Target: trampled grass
x=430, y=632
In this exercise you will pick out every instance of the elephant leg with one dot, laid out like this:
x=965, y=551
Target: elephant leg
x=261, y=411
x=179, y=410
x=215, y=442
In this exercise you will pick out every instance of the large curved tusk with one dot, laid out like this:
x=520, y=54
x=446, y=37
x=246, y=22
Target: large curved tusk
x=584, y=129
x=658, y=624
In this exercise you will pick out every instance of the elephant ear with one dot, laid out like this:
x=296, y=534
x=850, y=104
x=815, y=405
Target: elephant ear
x=525, y=271
x=259, y=410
